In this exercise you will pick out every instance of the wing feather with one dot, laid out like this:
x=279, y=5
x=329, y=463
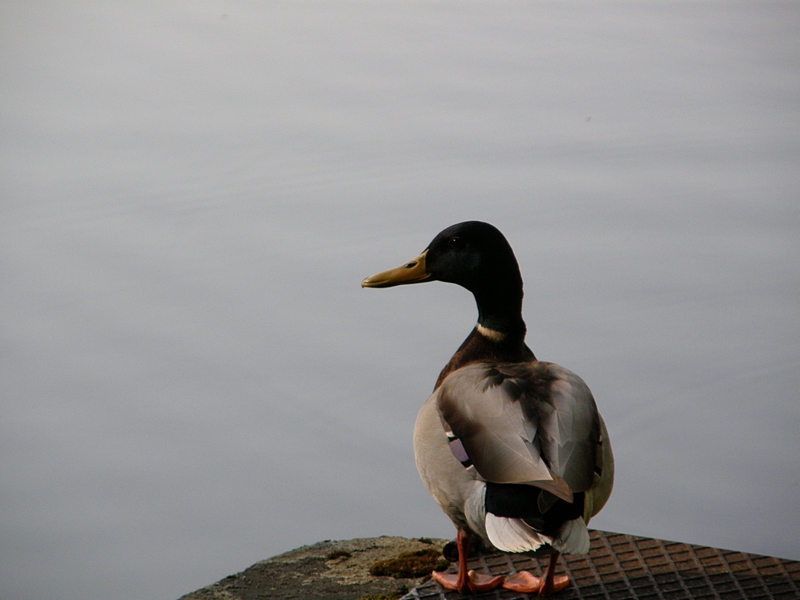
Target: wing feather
x=532, y=423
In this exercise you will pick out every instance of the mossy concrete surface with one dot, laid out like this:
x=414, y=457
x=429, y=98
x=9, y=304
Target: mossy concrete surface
x=339, y=570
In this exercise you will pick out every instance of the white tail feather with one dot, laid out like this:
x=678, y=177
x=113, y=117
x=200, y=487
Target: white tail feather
x=514, y=535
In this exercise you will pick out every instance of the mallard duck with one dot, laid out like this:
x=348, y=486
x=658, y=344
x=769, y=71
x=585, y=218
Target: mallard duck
x=511, y=448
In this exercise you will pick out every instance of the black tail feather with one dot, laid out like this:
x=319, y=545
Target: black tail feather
x=525, y=502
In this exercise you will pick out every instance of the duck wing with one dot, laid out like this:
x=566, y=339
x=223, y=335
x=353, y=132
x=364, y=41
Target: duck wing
x=534, y=423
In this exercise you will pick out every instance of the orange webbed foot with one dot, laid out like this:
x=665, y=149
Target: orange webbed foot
x=473, y=582
x=448, y=581
x=525, y=583
x=483, y=583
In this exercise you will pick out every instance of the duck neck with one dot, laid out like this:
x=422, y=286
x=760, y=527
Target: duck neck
x=501, y=312
x=499, y=335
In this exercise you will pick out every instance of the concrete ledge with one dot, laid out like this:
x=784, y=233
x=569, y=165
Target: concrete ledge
x=334, y=570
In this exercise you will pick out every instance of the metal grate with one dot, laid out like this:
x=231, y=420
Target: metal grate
x=624, y=566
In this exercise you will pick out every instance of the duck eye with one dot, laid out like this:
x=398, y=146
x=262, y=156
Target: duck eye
x=456, y=243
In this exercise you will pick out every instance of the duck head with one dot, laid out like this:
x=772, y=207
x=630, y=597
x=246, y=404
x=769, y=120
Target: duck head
x=476, y=256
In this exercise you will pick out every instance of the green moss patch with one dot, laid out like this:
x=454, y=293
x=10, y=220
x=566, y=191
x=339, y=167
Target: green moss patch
x=409, y=565
x=333, y=555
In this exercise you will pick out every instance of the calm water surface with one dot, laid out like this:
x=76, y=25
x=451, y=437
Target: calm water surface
x=192, y=378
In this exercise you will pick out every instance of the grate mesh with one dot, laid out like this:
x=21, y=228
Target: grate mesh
x=624, y=566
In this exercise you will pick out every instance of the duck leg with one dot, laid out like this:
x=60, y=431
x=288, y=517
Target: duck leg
x=525, y=583
x=551, y=583
x=466, y=580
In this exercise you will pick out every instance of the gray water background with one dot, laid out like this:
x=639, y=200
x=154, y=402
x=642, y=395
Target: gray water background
x=192, y=378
